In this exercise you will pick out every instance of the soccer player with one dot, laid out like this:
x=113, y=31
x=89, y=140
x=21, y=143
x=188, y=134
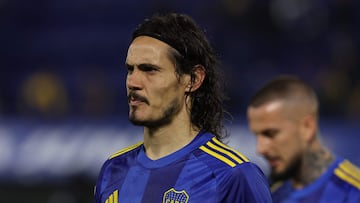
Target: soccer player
x=174, y=93
x=283, y=115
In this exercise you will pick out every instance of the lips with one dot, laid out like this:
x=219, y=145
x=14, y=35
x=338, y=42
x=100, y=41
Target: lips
x=134, y=99
x=273, y=162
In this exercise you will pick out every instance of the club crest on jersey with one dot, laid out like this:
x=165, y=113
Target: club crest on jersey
x=174, y=196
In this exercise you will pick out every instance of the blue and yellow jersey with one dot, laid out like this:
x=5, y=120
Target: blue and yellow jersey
x=340, y=184
x=205, y=170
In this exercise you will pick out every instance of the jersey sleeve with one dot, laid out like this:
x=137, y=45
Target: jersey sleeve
x=99, y=183
x=247, y=183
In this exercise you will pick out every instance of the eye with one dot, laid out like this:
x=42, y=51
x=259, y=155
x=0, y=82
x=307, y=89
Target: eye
x=129, y=68
x=148, y=68
x=270, y=133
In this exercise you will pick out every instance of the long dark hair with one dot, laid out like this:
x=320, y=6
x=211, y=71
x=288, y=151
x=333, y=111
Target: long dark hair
x=191, y=48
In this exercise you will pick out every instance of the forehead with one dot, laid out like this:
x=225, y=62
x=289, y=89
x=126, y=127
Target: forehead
x=272, y=112
x=275, y=114
x=268, y=107
x=146, y=49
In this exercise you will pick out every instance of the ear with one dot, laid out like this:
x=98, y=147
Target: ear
x=196, y=78
x=309, y=127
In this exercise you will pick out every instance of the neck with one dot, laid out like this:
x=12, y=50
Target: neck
x=315, y=163
x=162, y=141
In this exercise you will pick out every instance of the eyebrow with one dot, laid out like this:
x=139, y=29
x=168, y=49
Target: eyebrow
x=148, y=65
x=269, y=131
x=142, y=65
x=128, y=65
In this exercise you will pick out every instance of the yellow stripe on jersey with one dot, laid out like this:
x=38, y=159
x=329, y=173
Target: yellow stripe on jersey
x=211, y=145
x=122, y=151
x=351, y=169
x=116, y=194
x=218, y=156
x=113, y=198
x=231, y=149
x=341, y=174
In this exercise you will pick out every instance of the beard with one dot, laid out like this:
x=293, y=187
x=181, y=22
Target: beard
x=290, y=171
x=167, y=115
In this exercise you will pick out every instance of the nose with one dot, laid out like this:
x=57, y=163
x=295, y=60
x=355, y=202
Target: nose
x=133, y=80
x=262, y=144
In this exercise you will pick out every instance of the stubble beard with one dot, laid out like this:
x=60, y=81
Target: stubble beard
x=290, y=171
x=167, y=116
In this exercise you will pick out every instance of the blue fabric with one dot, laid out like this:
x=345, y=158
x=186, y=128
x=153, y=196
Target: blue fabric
x=329, y=188
x=191, y=175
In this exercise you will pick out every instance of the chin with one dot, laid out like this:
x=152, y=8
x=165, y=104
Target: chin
x=279, y=176
x=284, y=174
x=135, y=120
x=150, y=123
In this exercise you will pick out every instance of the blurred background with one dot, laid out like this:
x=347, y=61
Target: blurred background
x=63, y=108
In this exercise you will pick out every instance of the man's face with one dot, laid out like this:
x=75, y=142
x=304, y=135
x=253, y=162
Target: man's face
x=278, y=137
x=155, y=93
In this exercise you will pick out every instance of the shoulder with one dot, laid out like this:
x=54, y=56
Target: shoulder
x=125, y=150
x=348, y=173
x=221, y=158
x=125, y=153
x=121, y=158
x=238, y=179
x=217, y=154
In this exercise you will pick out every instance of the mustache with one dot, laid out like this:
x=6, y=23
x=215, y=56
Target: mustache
x=136, y=96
